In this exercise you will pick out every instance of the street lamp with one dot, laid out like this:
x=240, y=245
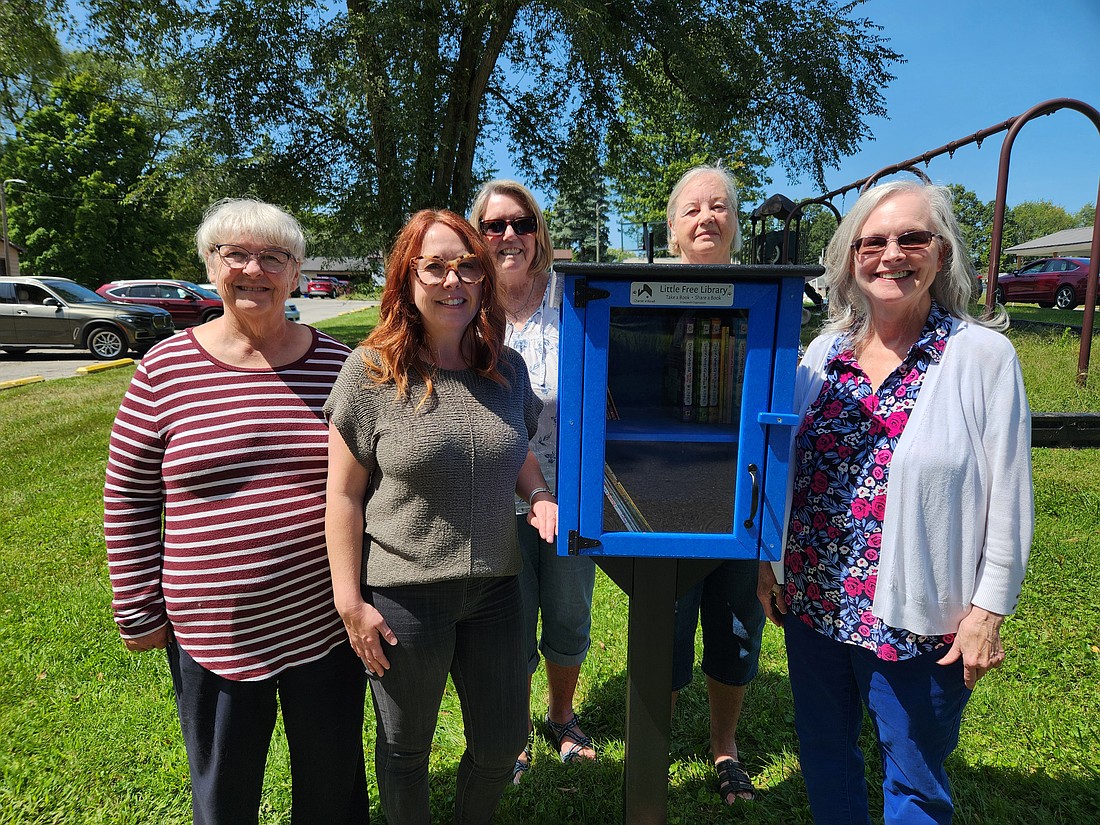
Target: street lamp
x=4, y=222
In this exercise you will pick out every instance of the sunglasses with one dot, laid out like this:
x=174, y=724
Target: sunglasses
x=521, y=226
x=908, y=241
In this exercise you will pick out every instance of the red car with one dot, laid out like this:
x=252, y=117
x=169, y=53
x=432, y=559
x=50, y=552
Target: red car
x=322, y=287
x=189, y=303
x=1049, y=282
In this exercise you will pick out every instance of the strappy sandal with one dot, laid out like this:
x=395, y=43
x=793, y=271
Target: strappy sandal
x=521, y=767
x=569, y=730
x=733, y=779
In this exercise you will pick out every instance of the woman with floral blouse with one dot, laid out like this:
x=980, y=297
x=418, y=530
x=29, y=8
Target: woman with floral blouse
x=910, y=511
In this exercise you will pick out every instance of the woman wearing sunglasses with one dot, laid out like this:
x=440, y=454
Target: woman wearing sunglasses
x=910, y=510
x=430, y=422
x=560, y=588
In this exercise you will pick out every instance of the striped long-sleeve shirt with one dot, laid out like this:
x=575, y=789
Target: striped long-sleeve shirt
x=214, y=508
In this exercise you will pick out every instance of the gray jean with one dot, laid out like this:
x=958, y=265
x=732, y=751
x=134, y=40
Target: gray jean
x=473, y=630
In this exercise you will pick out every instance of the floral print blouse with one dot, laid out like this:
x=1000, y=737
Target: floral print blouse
x=842, y=452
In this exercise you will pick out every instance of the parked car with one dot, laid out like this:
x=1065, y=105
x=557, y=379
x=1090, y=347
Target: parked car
x=322, y=286
x=53, y=312
x=1049, y=282
x=291, y=311
x=190, y=304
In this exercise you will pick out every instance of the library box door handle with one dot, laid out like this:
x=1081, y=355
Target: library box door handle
x=755, y=503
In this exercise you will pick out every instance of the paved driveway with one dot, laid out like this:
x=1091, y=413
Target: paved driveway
x=63, y=363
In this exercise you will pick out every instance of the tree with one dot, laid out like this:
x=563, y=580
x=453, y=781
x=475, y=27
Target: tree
x=29, y=55
x=1029, y=220
x=1086, y=215
x=659, y=136
x=578, y=215
x=817, y=226
x=384, y=106
x=976, y=222
x=88, y=210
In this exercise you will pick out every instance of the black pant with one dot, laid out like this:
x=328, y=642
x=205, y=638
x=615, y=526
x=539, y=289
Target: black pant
x=473, y=630
x=227, y=729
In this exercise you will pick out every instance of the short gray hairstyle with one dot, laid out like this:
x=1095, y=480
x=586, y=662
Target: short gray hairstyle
x=731, y=192
x=233, y=219
x=544, y=247
x=953, y=288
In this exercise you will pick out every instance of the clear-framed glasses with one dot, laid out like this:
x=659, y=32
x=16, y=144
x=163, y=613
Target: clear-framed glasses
x=432, y=270
x=521, y=226
x=237, y=257
x=907, y=241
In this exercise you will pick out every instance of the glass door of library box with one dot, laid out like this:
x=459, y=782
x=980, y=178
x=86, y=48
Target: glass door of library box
x=675, y=403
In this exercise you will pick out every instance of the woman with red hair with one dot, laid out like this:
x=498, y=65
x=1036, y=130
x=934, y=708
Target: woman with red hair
x=429, y=427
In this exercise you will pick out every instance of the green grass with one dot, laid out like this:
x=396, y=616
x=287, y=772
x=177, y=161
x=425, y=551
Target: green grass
x=88, y=732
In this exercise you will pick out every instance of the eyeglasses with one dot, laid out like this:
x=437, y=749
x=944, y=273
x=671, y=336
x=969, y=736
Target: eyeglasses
x=270, y=260
x=432, y=270
x=908, y=241
x=521, y=226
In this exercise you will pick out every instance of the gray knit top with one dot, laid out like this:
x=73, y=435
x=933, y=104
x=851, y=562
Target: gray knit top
x=442, y=478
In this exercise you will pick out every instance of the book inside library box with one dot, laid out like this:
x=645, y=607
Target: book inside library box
x=674, y=389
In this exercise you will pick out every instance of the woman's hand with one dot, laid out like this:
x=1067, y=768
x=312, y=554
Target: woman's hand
x=366, y=628
x=770, y=594
x=978, y=643
x=543, y=516
x=150, y=641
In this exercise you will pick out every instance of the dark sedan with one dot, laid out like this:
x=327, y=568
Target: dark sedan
x=57, y=312
x=1049, y=282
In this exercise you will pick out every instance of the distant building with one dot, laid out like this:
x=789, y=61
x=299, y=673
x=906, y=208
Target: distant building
x=13, y=256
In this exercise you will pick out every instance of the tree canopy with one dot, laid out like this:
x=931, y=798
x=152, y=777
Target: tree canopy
x=371, y=109
x=90, y=208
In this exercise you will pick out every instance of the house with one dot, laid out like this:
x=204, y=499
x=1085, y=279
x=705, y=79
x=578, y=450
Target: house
x=9, y=263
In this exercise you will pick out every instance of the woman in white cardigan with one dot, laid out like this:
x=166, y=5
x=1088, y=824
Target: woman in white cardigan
x=910, y=511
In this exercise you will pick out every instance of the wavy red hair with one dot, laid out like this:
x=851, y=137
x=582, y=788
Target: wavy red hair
x=400, y=336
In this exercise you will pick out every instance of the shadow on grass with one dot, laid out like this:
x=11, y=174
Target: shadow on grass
x=584, y=792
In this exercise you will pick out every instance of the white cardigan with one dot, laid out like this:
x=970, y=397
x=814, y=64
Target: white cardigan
x=959, y=502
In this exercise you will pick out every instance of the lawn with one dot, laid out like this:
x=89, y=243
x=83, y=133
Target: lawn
x=88, y=732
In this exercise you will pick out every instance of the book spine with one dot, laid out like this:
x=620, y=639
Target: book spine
x=724, y=377
x=702, y=413
x=687, y=391
x=739, y=365
x=715, y=365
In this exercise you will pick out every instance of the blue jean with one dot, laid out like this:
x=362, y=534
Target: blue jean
x=472, y=629
x=227, y=730
x=561, y=588
x=916, y=706
x=733, y=625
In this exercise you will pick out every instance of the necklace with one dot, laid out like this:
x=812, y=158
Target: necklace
x=519, y=313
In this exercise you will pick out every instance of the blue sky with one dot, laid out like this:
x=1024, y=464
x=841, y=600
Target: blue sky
x=972, y=64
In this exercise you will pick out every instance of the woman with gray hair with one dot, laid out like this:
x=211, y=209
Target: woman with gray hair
x=214, y=510
x=910, y=510
x=703, y=228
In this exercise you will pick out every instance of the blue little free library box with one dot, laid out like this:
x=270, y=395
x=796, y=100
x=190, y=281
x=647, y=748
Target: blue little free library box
x=675, y=407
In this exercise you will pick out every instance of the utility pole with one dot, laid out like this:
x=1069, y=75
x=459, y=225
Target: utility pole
x=4, y=222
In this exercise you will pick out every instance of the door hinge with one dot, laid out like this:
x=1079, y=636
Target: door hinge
x=577, y=542
x=583, y=293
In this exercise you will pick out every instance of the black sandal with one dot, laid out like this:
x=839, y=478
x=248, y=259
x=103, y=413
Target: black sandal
x=570, y=730
x=521, y=767
x=733, y=779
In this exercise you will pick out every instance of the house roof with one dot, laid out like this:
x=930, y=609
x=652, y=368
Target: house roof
x=1068, y=242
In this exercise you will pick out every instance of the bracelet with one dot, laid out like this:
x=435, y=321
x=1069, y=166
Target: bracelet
x=536, y=491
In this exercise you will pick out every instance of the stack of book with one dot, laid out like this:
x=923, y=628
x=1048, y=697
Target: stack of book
x=709, y=369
